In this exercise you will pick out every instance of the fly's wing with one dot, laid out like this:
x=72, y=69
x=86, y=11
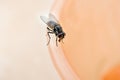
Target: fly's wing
x=53, y=18
x=44, y=19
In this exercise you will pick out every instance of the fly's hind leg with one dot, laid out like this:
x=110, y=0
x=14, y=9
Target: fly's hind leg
x=48, y=33
x=56, y=41
x=49, y=38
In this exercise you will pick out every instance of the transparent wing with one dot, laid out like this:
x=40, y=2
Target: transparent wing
x=44, y=19
x=53, y=18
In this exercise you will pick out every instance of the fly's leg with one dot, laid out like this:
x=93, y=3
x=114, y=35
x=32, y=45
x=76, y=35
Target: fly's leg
x=48, y=29
x=48, y=37
x=48, y=33
x=56, y=41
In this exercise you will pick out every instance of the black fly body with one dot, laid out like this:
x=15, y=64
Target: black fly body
x=53, y=28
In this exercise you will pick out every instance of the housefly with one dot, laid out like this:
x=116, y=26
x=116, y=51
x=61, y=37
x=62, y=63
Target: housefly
x=53, y=27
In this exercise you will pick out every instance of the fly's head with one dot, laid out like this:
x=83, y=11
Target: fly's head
x=61, y=36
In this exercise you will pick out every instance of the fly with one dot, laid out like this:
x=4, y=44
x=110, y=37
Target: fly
x=53, y=27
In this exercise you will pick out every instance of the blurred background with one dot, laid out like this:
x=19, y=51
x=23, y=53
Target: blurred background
x=23, y=51
x=91, y=46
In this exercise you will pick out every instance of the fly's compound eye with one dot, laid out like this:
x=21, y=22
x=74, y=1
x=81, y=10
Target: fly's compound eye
x=61, y=36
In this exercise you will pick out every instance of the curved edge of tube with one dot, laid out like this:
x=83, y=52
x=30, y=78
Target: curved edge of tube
x=62, y=66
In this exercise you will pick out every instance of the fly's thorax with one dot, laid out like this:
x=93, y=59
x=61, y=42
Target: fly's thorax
x=51, y=24
x=58, y=28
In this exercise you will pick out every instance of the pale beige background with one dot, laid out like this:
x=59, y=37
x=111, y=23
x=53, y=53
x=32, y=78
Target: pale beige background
x=23, y=51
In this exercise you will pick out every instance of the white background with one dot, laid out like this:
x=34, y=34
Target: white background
x=23, y=51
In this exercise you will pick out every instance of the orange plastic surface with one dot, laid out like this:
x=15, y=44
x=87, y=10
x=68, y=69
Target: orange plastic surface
x=113, y=74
